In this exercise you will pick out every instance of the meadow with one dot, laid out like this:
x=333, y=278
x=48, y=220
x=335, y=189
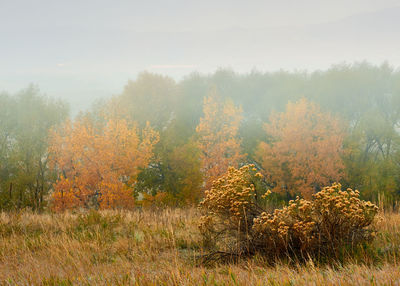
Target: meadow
x=161, y=247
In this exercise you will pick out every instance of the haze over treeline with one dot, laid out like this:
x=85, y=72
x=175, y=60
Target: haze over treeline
x=168, y=139
x=84, y=50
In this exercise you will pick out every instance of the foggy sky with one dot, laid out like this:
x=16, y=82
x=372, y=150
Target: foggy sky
x=84, y=49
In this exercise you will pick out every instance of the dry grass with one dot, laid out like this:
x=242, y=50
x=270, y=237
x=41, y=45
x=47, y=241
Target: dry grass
x=159, y=247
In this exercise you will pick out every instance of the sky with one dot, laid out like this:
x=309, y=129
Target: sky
x=81, y=50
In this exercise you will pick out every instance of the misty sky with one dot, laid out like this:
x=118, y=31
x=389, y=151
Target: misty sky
x=80, y=50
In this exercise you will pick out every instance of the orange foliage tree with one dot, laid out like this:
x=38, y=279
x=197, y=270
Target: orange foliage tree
x=218, y=141
x=98, y=165
x=305, y=149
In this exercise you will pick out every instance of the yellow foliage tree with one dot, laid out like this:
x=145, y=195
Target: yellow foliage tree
x=305, y=151
x=98, y=166
x=218, y=141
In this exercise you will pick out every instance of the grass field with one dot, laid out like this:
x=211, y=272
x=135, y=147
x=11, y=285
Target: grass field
x=160, y=248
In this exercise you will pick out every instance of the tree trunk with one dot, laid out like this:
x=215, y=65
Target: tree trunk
x=10, y=191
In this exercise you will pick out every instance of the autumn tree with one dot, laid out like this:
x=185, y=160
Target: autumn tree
x=98, y=166
x=217, y=133
x=304, y=152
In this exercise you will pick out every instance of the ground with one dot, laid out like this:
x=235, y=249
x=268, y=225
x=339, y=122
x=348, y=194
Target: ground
x=159, y=247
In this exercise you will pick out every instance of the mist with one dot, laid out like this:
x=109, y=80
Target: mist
x=84, y=50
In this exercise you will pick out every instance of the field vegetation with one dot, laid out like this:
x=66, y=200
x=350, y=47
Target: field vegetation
x=149, y=247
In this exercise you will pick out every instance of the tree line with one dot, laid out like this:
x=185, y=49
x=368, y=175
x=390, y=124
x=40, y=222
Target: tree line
x=163, y=141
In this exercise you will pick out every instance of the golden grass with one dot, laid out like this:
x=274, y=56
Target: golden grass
x=159, y=247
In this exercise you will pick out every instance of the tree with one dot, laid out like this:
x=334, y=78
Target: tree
x=151, y=98
x=25, y=120
x=304, y=153
x=372, y=157
x=98, y=166
x=217, y=133
x=175, y=170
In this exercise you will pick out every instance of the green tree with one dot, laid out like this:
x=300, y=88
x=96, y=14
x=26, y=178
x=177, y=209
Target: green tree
x=176, y=170
x=372, y=157
x=150, y=98
x=25, y=124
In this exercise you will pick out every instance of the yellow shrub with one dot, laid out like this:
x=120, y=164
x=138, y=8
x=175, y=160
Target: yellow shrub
x=233, y=217
x=231, y=205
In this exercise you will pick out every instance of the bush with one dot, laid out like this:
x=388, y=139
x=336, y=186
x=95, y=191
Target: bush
x=235, y=225
x=230, y=207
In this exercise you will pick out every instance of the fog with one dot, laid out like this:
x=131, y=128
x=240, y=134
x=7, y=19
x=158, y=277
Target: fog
x=84, y=50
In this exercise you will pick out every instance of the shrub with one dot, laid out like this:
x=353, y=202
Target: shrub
x=231, y=205
x=157, y=200
x=234, y=223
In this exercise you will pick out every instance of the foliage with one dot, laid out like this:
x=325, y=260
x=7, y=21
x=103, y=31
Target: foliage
x=160, y=199
x=372, y=157
x=323, y=226
x=175, y=170
x=305, y=150
x=25, y=121
x=365, y=96
x=151, y=98
x=217, y=133
x=238, y=226
x=358, y=93
x=232, y=203
x=99, y=167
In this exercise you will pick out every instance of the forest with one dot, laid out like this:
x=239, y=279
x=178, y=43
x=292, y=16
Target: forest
x=163, y=142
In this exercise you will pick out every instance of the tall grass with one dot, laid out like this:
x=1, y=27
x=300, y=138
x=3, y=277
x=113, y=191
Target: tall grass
x=147, y=247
